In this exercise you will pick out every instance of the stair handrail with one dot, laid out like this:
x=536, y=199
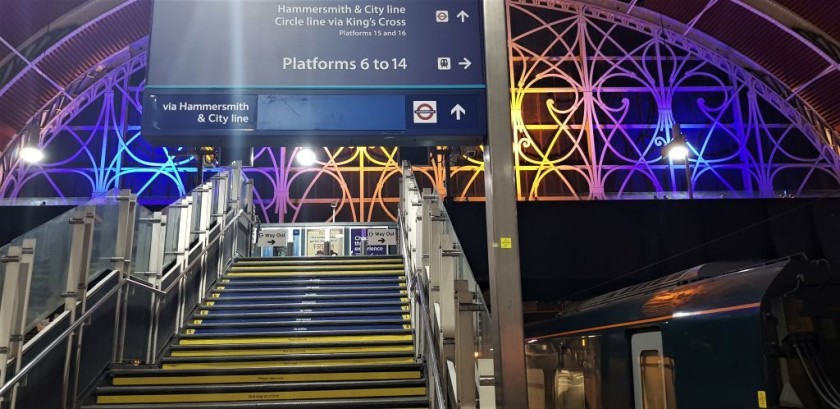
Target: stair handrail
x=60, y=338
x=425, y=320
x=449, y=301
x=120, y=217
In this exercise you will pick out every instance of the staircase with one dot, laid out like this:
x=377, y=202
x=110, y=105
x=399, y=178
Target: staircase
x=329, y=332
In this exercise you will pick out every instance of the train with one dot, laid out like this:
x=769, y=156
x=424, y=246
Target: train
x=717, y=336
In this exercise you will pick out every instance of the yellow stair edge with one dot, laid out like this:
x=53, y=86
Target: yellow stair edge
x=262, y=396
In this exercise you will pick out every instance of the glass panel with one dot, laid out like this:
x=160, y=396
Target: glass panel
x=4, y=251
x=105, y=226
x=214, y=196
x=173, y=224
x=657, y=380
x=53, y=240
x=196, y=216
x=142, y=241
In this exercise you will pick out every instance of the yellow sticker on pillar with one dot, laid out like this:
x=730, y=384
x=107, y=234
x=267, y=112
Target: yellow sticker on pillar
x=506, y=243
x=762, y=399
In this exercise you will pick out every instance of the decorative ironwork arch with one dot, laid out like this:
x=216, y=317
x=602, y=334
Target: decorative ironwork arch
x=594, y=96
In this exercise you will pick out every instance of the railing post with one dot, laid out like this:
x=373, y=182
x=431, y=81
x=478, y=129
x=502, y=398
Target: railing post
x=425, y=221
x=157, y=251
x=235, y=185
x=77, y=271
x=448, y=307
x=251, y=211
x=465, y=345
x=123, y=263
x=235, y=195
x=220, y=217
x=27, y=264
x=14, y=307
x=10, y=306
x=125, y=231
x=435, y=253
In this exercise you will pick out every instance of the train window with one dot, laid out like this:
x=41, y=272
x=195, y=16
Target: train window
x=568, y=389
x=564, y=373
x=653, y=375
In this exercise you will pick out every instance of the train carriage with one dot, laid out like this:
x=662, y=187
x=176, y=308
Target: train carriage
x=720, y=335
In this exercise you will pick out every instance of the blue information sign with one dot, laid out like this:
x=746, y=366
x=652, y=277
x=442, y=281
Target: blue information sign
x=387, y=71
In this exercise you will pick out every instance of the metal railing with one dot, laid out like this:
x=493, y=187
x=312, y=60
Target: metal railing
x=148, y=270
x=456, y=337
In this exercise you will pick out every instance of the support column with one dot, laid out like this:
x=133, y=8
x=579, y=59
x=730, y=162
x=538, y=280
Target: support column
x=502, y=229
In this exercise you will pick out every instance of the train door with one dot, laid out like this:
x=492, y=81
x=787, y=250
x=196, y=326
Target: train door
x=653, y=372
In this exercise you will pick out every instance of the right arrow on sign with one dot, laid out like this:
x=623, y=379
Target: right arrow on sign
x=458, y=110
x=465, y=63
x=382, y=240
x=463, y=16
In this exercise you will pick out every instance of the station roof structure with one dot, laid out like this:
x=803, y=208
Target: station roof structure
x=46, y=46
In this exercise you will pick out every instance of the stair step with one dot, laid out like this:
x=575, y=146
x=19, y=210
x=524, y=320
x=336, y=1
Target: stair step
x=414, y=402
x=227, y=288
x=260, y=391
x=302, y=328
x=337, y=266
x=291, y=345
x=298, y=339
x=335, y=313
x=316, y=260
x=308, y=296
x=267, y=272
x=274, y=363
x=250, y=281
x=285, y=357
x=258, y=350
x=202, y=322
x=139, y=376
x=308, y=304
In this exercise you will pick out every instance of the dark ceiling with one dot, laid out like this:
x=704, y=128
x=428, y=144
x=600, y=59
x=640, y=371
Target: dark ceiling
x=797, y=41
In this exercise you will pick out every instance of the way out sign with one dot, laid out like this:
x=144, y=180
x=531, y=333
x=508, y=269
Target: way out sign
x=382, y=237
x=272, y=238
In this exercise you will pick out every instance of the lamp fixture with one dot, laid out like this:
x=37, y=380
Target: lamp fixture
x=305, y=157
x=31, y=154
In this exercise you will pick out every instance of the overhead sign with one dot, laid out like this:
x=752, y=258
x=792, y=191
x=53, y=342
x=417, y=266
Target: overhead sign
x=384, y=71
x=272, y=238
x=382, y=237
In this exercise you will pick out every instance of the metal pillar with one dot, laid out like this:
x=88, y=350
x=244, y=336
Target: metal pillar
x=502, y=229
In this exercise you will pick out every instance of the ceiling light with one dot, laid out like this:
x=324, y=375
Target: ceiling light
x=305, y=157
x=31, y=154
